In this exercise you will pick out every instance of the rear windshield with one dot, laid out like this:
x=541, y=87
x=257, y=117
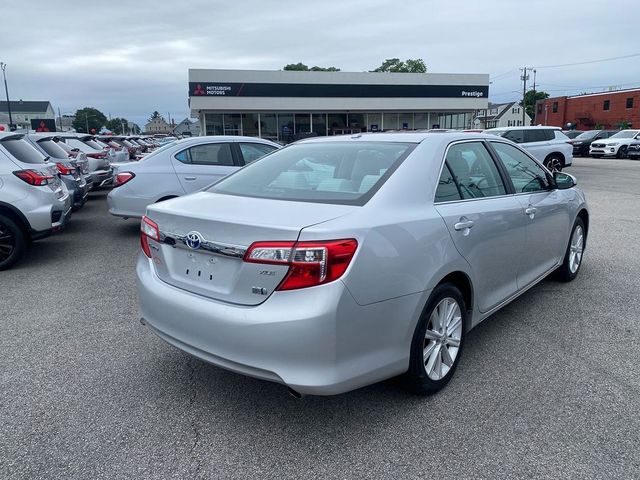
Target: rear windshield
x=336, y=172
x=92, y=144
x=75, y=143
x=23, y=151
x=52, y=149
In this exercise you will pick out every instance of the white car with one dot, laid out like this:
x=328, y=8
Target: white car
x=614, y=146
x=548, y=144
x=180, y=167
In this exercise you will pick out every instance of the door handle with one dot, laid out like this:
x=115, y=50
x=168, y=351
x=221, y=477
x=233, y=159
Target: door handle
x=189, y=178
x=463, y=224
x=531, y=211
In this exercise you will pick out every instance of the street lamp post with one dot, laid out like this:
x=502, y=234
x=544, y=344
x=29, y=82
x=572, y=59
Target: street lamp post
x=6, y=90
x=86, y=121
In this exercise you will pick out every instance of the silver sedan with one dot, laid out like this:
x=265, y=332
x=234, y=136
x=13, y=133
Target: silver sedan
x=338, y=262
x=180, y=167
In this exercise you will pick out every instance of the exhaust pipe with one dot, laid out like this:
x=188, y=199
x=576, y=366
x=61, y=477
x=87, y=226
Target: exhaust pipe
x=142, y=321
x=294, y=394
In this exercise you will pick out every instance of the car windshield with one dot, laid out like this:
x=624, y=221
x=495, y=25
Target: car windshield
x=23, y=151
x=625, y=134
x=335, y=172
x=166, y=146
x=587, y=135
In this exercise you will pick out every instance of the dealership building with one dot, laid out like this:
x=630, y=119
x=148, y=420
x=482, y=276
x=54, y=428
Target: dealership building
x=287, y=105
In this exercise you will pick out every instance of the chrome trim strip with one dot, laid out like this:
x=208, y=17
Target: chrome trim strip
x=224, y=249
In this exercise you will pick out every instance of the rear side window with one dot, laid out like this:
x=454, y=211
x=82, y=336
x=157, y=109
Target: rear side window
x=516, y=136
x=447, y=189
x=207, y=154
x=474, y=171
x=346, y=173
x=537, y=135
x=22, y=151
x=253, y=151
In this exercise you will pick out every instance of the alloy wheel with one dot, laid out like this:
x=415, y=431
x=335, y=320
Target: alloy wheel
x=554, y=164
x=575, y=249
x=442, y=338
x=7, y=242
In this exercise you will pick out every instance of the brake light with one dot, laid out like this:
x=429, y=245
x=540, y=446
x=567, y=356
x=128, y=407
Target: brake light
x=310, y=263
x=123, y=178
x=64, y=169
x=97, y=154
x=148, y=229
x=34, y=177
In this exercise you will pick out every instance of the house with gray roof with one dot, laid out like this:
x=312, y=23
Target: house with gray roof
x=22, y=111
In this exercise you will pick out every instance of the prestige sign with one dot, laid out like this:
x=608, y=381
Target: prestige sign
x=213, y=89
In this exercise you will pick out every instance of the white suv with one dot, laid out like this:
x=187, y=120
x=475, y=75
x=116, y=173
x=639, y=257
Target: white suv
x=548, y=144
x=33, y=200
x=614, y=146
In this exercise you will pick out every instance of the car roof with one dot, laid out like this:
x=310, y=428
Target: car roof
x=222, y=138
x=532, y=127
x=402, y=137
x=11, y=135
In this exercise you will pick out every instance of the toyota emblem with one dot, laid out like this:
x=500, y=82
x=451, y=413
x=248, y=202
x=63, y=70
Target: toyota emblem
x=193, y=240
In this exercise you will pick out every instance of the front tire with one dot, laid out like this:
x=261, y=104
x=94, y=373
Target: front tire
x=573, y=256
x=13, y=243
x=554, y=163
x=438, y=340
x=622, y=152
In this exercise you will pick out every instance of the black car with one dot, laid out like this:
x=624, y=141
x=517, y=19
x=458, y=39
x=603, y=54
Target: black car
x=572, y=133
x=633, y=151
x=583, y=141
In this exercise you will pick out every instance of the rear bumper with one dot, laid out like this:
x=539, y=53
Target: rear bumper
x=122, y=205
x=317, y=341
x=102, y=178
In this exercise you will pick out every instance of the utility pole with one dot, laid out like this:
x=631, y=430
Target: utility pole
x=534, y=95
x=524, y=77
x=86, y=121
x=3, y=66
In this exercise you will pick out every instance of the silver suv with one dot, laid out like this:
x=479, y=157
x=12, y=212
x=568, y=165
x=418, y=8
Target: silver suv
x=33, y=201
x=548, y=144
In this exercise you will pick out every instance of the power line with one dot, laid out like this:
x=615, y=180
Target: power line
x=590, y=61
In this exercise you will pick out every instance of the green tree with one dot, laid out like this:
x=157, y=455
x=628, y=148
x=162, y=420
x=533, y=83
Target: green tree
x=155, y=115
x=398, y=66
x=117, y=125
x=301, y=67
x=88, y=117
x=530, y=99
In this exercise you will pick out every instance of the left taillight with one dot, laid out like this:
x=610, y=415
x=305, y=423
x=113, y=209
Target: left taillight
x=310, y=263
x=148, y=230
x=65, y=169
x=34, y=177
x=122, y=178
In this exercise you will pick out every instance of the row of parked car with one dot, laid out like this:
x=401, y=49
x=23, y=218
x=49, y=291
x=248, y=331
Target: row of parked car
x=606, y=143
x=44, y=177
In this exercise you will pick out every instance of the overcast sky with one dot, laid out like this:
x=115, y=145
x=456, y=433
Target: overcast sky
x=130, y=58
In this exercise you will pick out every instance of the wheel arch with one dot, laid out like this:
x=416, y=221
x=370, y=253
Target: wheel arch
x=584, y=216
x=17, y=216
x=463, y=282
x=166, y=197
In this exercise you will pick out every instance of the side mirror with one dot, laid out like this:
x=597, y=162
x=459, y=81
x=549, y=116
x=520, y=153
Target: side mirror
x=564, y=180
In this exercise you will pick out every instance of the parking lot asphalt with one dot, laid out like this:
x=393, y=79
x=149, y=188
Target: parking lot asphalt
x=549, y=387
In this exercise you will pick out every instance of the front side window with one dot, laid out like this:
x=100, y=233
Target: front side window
x=337, y=172
x=526, y=175
x=207, y=154
x=474, y=171
x=253, y=151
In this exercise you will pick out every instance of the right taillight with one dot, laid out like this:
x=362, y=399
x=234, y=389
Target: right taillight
x=34, y=177
x=102, y=154
x=65, y=169
x=122, y=178
x=148, y=229
x=310, y=263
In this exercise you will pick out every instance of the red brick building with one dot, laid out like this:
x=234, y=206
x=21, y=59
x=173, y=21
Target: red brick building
x=607, y=109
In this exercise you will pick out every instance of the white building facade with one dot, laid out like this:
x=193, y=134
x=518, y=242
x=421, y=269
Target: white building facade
x=286, y=105
x=501, y=115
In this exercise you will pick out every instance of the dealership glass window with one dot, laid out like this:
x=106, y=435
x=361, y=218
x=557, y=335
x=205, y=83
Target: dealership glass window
x=554, y=107
x=269, y=126
x=630, y=102
x=606, y=104
x=232, y=124
x=406, y=121
x=356, y=122
x=286, y=127
x=420, y=120
x=374, y=122
x=390, y=121
x=213, y=124
x=302, y=123
x=250, y=124
x=319, y=124
x=337, y=123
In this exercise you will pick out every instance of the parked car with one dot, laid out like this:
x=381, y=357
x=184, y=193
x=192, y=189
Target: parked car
x=633, y=151
x=614, y=146
x=583, y=141
x=571, y=134
x=98, y=157
x=70, y=172
x=548, y=144
x=33, y=201
x=180, y=167
x=337, y=262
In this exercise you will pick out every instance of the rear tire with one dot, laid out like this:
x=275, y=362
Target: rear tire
x=573, y=256
x=554, y=163
x=437, y=342
x=13, y=243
